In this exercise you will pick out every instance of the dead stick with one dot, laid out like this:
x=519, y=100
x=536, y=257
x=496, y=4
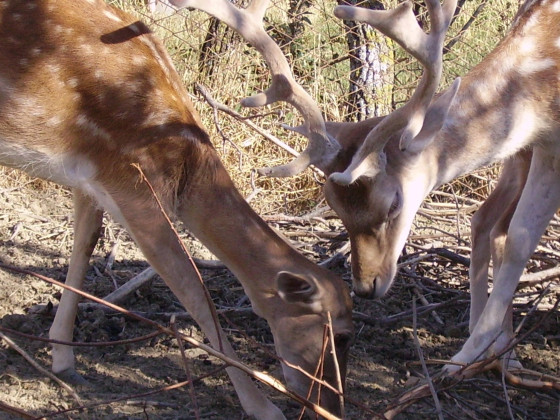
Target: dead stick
x=15, y=411
x=186, y=366
x=538, y=277
x=423, y=362
x=215, y=104
x=131, y=286
x=336, y=366
x=42, y=370
x=78, y=344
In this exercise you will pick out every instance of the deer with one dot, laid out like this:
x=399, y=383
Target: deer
x=378, y=171
x=87, y=96
x=503, y=109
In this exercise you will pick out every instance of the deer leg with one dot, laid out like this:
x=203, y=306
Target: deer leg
x=87, y=228
x=489, y=233
x=538, y=203
x=481, y=226
x=498, y=239
x=163, y=250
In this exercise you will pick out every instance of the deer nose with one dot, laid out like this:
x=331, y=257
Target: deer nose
x=364, y=290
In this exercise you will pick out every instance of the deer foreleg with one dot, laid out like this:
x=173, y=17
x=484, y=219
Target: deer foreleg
x=489, y=232
x=538, y=203
x=87, y=225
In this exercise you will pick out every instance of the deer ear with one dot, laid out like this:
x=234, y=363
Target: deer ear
x=299, y=289
x=435, y=117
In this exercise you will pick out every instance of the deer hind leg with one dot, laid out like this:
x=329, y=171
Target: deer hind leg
x=538, y=202
x=162, y=249
x=87, y=228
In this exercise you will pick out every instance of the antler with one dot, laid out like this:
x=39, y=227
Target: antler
x=248, y=23
x=419, y=118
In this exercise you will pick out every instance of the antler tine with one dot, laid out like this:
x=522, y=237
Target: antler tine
x=249, y=24
x=400, y=24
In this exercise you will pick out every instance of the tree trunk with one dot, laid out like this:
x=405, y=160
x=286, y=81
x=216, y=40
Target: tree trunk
x=371, y=68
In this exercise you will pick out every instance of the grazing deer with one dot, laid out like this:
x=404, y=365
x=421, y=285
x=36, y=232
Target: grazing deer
x=380, y=170
x=505, y=105
x=86, y=91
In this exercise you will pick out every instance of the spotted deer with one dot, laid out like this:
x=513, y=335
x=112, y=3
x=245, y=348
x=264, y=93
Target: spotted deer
x=506, y=106
x=380, y=170
x=86, y=93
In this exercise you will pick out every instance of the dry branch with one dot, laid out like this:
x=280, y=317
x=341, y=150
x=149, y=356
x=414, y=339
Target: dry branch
x=224, y=108
x=39, y=368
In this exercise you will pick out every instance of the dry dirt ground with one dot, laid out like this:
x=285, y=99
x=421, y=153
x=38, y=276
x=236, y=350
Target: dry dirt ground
x=127, y=381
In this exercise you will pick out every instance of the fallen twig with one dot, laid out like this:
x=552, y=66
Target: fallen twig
x=15, y=411
x=442, y=381
x=38, y=367
x=221, y=107
x=423, y=362
x=186, y=368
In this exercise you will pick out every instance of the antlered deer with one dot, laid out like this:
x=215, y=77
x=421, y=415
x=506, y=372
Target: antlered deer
x=86, y=91
x=381, y=169
x=506, y=104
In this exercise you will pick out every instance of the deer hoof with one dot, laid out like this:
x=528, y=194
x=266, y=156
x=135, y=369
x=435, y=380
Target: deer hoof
x=71, y=377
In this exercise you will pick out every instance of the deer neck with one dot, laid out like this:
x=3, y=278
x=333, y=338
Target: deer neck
x=503, y=106
x=219, y=216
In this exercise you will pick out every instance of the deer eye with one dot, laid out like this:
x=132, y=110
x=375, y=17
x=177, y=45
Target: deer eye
x=396, y=205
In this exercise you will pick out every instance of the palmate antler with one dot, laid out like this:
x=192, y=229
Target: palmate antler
x=249, y=24
x=419, y=119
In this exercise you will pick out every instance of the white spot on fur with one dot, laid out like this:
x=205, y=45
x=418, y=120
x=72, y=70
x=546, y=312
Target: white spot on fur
x=139, y=60
x=54, y=121
x=534, y=20
x=112, y=16
x=87, y=49
x=72, y=82
x=92, y=127
x=526, y=46
x=524, y=126
x=532, y=65
x=556, y=7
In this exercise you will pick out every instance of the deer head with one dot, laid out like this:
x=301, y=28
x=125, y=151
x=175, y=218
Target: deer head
x=366, y=195
x=354, y=155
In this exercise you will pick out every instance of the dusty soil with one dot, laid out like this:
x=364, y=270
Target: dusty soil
x=35, y=234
